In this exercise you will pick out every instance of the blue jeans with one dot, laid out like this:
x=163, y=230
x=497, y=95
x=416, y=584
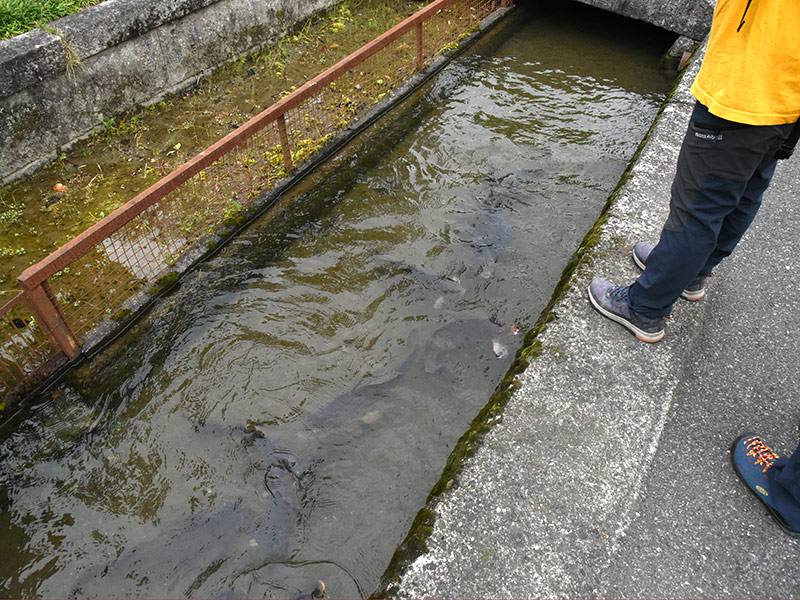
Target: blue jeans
x=784, y=487
x=722, y=173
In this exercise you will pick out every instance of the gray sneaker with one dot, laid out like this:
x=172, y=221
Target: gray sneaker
x=612, y=302
x=694, y=291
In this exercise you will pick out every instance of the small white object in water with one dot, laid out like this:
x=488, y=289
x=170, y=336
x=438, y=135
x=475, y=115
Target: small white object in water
x=439, y=302
x=370, y=417
x=500, y=351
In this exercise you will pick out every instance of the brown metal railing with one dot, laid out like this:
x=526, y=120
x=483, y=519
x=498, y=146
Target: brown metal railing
x=95, y=276
x=25, y=348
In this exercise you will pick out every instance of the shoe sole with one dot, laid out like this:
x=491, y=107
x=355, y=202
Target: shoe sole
x=692, y=296
x=644, y=336
x=775, y=514
x=685, y=294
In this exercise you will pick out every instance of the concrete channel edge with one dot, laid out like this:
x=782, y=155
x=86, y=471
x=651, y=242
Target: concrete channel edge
x=537, y=495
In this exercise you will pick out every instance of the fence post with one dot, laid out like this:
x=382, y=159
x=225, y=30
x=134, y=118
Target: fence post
x=420, y=51
x=284, y=135
x=45, y=308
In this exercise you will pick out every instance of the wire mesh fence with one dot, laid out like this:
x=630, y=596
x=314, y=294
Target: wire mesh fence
x=24, y=348
x=95, y=277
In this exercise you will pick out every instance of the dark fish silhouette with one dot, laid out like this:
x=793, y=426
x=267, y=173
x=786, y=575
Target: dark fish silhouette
x=207, y=553
x=444, y=283
x=469, y=339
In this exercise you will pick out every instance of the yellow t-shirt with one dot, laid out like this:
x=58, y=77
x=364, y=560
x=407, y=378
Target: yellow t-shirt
x=752, y=75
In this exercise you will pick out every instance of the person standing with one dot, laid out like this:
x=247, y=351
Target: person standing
x=748, y=104
x=745, y=120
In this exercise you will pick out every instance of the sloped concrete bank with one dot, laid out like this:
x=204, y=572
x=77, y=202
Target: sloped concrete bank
x=57, y=86
x=96, y=339
x=539, y=495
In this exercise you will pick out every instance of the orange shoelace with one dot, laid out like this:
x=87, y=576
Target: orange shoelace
x=763, y=453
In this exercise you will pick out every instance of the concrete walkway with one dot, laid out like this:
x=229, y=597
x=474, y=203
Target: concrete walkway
x=609, y=474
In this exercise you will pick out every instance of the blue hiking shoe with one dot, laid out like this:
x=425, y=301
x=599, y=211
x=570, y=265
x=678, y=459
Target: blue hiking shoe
x=751, y=459
x=694, y=291
x=612, y=302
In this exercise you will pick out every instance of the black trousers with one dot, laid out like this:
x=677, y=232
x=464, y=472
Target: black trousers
x=723, y=170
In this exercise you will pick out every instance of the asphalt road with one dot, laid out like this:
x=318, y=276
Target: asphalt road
x=697, y=531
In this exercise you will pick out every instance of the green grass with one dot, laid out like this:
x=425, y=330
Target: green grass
x=19, y=16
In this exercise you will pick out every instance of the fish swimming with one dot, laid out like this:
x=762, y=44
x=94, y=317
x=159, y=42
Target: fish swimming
x=361, y=406
x=467, y=340
x=446, y=284
x=237, y=536
x=466, y=337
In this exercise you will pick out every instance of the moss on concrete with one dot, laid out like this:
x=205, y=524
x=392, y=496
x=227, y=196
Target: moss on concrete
x=164, y=283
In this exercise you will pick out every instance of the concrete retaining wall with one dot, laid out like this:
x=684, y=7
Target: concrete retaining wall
x=56, y=88
x=691, y=18
x=107, y=59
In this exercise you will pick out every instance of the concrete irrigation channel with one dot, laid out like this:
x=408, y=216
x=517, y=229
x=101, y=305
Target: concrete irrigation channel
x=282, y=415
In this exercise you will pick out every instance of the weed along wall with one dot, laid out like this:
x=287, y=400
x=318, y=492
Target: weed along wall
x=58, y=85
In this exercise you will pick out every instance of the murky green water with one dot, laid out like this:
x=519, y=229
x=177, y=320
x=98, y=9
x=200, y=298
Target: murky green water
x=282, y=416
